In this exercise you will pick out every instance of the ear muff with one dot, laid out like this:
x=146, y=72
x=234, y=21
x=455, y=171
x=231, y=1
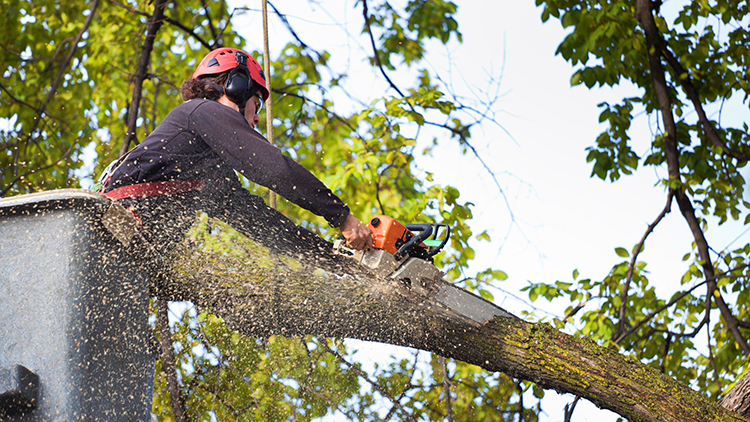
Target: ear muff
x=239, y=86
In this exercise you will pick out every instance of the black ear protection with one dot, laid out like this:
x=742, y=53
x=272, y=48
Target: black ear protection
x=239, y=86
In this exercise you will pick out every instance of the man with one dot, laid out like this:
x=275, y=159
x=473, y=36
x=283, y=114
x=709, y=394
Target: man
x=188, y=164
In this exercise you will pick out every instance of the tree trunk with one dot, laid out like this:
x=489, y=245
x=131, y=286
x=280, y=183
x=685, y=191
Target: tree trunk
x=268, y=295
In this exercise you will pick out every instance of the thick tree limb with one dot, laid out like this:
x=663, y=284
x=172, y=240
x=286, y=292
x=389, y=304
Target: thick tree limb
x=738, y=398
x=261, y=300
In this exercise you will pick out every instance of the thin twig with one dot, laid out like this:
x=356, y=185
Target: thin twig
x=288, y=25
x=17, y=101
x=667, y=345
x=713, y=363
x=167, y=19
x=19, y=177
x=375, y=48
x=189, y=31
x=575, y=309
x=53, y=87
x=519, y=388
x=210, y=21
x=407, y=387
x=656, y=311
x=631, y=267
x=569, y=408
x=683, y=78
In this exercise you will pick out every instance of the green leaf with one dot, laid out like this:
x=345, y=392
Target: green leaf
x=486, y=295
x=622, y=252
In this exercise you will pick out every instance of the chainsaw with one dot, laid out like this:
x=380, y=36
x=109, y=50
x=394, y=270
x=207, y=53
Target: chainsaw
x=404, y=253
x=401, y=252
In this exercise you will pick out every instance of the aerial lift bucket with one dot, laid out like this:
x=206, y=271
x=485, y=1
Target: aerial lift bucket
x=75, y=342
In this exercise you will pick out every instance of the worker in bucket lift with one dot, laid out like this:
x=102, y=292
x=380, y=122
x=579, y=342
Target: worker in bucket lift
x=188, y=164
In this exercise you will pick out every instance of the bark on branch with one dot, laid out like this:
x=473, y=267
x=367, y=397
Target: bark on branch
x=738, y=398
x=259, y=299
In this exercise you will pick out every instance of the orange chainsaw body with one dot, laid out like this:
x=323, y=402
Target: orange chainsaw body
x=388, y=234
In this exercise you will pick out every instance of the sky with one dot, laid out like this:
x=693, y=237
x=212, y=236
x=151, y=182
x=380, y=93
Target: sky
x=551, y=217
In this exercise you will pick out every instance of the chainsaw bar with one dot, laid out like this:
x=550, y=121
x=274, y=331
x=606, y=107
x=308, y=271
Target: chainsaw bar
x=423, y=278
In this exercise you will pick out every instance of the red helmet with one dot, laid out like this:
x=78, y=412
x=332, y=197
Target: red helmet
x=223, y=59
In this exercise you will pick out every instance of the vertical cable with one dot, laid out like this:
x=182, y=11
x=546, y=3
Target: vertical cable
x=269, y=103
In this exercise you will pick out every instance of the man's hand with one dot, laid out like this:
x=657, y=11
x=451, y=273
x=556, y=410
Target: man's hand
x=357, y=235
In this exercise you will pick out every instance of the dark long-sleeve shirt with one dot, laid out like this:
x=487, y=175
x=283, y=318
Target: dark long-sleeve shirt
x=203, y=139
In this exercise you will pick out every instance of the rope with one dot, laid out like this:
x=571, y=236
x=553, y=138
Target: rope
x=269, y=103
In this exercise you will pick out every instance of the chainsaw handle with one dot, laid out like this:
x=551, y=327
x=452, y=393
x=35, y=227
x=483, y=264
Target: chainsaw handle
x=425, y=230
x=435, y=249
x=436, y=226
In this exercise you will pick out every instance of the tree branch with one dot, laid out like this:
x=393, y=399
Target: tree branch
x=717, y=376
x=447, y=389
x=17, y=101
x=210, y=21
x=169, y=20
x=738, y=398
x=631, y=266
x=170, y=367
x=569, y=408
x=20, y=177
x=683, y=78
x=288, y=25
x=154, y=23
x=344, y=301
x=53, y=87
x=189, y=31
x=674, y=300
x=659, y=84
x=375, y=48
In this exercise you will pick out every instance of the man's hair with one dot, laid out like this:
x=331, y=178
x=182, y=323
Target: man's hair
x=210, y=87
